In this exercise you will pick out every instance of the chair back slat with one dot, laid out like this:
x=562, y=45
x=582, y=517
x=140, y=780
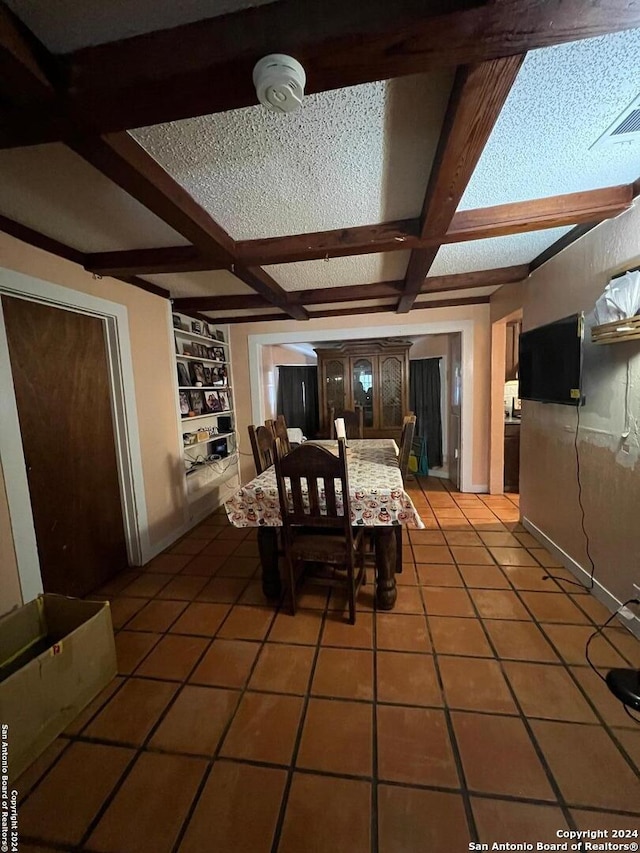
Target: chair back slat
x=353, y=422
x=319, y=467
x=314, y=498
x=262, y=445
x=330, y=495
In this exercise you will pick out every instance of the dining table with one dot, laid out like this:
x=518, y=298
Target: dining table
x=378, y=500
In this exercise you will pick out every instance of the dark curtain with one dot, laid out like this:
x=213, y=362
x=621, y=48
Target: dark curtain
x=424, y=400
x=298, y=397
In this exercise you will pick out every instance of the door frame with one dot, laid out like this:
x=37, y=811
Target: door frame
x=125, y=425
x=466, y=329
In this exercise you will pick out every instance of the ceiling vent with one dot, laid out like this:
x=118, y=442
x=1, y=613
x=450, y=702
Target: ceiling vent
x=625, y=130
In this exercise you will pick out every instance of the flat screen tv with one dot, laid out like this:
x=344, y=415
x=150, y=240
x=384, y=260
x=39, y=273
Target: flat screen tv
x=550, y=361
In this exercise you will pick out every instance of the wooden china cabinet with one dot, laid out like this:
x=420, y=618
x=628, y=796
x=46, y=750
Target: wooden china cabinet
x=372, y=375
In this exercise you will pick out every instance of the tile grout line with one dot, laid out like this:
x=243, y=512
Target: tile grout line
x=457, y=757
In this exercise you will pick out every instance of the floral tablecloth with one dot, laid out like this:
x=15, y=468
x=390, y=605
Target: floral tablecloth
x=375, y=484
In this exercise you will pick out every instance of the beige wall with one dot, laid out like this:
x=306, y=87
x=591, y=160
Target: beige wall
x=390, y=325
x=153, y=366
x=431, y=346
x=609, y=464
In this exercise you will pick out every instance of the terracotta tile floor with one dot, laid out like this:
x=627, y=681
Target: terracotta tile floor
x=467, y=713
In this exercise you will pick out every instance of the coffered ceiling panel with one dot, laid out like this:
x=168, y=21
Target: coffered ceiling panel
x=66, y=25
x=336, y=272
x=52, y=190
x=213, y=283
x=563, y=100
x=494, y=252
x=347, y=157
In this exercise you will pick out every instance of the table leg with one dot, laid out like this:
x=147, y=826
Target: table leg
x=386, y=545
x=268, y=548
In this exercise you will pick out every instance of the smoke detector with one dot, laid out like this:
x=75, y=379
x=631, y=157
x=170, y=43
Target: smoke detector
x=279, y=82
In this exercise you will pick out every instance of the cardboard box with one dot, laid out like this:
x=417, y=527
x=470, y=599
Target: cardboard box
x=56, y=655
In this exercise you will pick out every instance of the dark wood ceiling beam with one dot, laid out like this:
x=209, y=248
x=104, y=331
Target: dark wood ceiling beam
x=551, y=212
x=205, y=67
x=358, y=310
x=121, y=159
x=357, y=292
x=340, y=242
x=478, y=95
x=476, y=224
x=25, y=65
x=172, y=259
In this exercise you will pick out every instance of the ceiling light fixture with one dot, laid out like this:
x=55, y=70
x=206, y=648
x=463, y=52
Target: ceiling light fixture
x=279, y=82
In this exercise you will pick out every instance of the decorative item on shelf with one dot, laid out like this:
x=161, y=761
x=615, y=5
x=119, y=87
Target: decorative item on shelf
x=211, y=402
x=183, y=374
x=223, y=397
x=220, y=335
x=208, y=375
x=177, y=322
x=196, y=327
x=202, y=435
x=216, y=353
x=189, y=438
x=184, y=403
x=196, y=371
x=219, y=375
x=187, y=349
x=196, y=399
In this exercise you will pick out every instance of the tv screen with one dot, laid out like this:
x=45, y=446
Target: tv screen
x=550, y=358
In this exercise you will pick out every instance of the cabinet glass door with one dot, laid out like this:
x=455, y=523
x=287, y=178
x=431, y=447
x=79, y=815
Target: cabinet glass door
x=391, y=391
x=363, y=388
x=336, y=392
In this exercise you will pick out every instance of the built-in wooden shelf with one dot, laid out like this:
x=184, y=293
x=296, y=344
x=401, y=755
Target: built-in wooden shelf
x=616, y=332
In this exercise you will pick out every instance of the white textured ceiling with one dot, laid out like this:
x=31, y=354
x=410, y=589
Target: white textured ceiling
x=52, y=190
x=66, y=25
x=494, y=252
x=336, y=272
x=563, y=99
x=210, y=283
x=347, y=157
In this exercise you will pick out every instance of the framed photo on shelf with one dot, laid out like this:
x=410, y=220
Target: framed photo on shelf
x=177, y=323
x=220, y=335
x=184, y=403
x=183, y=374
x=218, y=353
x=196, y=371
x=196, y=327
x=208, y=375
x=224, y=400
x=187, y=349
x=211, y=401
x=196, y=399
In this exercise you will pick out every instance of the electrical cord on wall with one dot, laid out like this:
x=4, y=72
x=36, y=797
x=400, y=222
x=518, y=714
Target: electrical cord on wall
x=591, y=584
x=599, y=630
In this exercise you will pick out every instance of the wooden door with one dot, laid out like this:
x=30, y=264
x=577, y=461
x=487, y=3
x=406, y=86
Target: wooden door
x=61, y=379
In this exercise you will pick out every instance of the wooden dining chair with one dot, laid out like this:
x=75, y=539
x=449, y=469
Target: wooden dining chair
x=353, y=422
x=314, y=529
x=262, y=444
x=279, y=429
x=406, y=440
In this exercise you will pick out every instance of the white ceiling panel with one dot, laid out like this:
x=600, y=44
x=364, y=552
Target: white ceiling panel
x=348, y=157
x=210, y=283
x=66, y=25
x=564, y=98
x=494, y=252
x=52, y=190
x=337, y=272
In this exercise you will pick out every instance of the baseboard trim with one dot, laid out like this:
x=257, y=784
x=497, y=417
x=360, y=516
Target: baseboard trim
x=604, y=596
